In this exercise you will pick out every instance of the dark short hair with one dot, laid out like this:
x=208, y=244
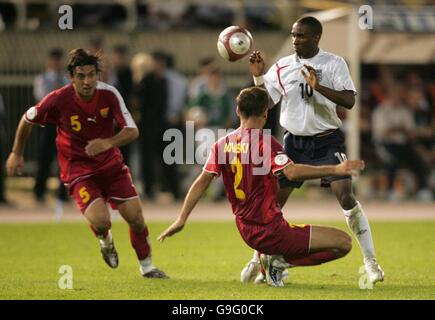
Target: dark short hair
x=312, y=23
x=80, y=57
x=206, y=61
x=55, y=53
x=161, y=56
x=252, y=101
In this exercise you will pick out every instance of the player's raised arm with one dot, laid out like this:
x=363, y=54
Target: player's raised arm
x=256, y=67
x=195, y=193
x=256, y=64
x=15, y=162
x=305, y=172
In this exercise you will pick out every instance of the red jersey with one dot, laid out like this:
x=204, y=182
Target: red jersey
x=249, y=162
x=77, y=123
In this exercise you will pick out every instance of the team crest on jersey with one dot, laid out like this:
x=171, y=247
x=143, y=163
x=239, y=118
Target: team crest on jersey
x=104, y=112
x=319, y=74
x=281, y=159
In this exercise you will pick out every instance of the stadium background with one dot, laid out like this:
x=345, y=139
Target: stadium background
x=400, y=49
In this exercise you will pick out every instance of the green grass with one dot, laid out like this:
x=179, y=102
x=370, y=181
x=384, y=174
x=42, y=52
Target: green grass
x=204, y=262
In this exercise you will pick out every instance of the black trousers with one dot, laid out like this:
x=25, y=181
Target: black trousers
x=47, y=154
x=152, y=162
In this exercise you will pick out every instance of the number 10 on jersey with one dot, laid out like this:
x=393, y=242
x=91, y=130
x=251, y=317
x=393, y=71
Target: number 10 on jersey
x=306, y=90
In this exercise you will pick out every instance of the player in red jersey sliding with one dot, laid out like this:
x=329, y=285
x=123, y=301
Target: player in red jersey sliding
x=249, y=162
x=91, y=165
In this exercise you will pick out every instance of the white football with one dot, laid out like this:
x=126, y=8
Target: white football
x=234, y=43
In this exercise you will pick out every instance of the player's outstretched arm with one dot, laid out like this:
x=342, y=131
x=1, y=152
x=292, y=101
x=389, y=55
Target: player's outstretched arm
x=15, y=162
x=306, y=172
x=123, y=137
x=195, y=193
x=256, y=67
x=345, y=98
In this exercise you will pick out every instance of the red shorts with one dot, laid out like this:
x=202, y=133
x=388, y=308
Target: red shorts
x=109, y=185
x=277, y=238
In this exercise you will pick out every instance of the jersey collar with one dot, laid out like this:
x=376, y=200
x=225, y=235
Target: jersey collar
x=298, y=60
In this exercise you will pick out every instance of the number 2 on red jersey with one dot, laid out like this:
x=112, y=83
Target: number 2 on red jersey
x=237, y=169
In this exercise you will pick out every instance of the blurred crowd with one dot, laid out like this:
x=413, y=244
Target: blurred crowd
x=149, y=15
x=398, y=130
x=397, y=121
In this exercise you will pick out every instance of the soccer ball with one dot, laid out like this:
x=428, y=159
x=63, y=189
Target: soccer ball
x=234, y=43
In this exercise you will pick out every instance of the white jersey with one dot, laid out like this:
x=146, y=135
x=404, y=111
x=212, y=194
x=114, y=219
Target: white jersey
x=305, y=112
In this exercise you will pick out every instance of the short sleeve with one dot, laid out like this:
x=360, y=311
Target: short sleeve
x=271, y=82
x=212, y=164
x=120, y=111
x=44, y=112
x=279, y=159
x=342, y=79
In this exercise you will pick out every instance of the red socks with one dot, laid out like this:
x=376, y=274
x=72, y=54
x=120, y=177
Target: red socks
x=314, y=259
x=140, y=243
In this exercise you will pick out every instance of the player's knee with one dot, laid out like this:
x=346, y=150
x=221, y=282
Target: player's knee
x=345, y=243
x=102, y=226
x=347, y=201
x=136, y=220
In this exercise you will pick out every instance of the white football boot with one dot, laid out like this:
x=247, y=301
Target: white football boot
x=250, y=271
x=274, y=267
x=261, y=277
x=374, y=271
x=109, y=254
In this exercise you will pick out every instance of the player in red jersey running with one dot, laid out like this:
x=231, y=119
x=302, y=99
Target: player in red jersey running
x=91, y=165
x=249, y=162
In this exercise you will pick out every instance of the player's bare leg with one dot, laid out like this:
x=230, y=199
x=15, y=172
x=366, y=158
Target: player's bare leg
x=359, y=225
x=252, y=270
x=99, y=219
x=326, y=244
x=131, y=211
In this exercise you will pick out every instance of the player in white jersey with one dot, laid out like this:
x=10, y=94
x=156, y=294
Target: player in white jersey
x=309, y=85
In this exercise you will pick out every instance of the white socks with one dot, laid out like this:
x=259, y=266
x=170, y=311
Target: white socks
x=256, y=256
x=359, y=224
x=105, y=241
x=146, y=265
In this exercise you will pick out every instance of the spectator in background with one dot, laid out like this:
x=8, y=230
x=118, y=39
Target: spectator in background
x=199, y=83
x=177, y=100
x=214, y=99
x=177, y=93
x=96, y=46
x=121, y=78
x=3, y=147
x=394, y=132
x=153, y=96
x=141, y=64
x=384, y=84
x=53, y=78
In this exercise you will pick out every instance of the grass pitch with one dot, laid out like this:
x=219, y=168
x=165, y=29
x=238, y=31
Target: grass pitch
x=204, y=262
